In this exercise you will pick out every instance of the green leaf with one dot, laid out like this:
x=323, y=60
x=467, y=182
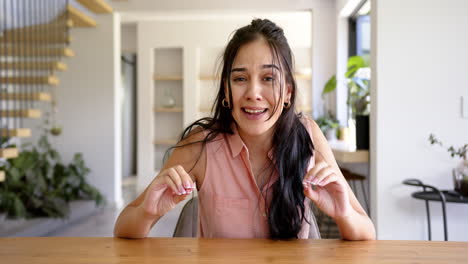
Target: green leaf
x=14, y=175
x=330, y=86
x=18, y=209
x=354, y=64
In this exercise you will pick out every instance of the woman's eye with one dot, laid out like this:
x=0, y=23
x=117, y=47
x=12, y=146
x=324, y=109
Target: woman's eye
x=269, y=79
x=239, y=79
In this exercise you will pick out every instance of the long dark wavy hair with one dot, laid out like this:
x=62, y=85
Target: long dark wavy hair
x=293, y=147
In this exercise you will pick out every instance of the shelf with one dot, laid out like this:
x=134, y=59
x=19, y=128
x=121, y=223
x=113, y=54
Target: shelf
x=207, y=78
x=204, y=110
x=167, y=78
x=19, y=132
x=304, y=108
x=165, y=142
x=8, y=153
x=168, y=110
x=97, y=6
x=303, y=76
x=358, y=156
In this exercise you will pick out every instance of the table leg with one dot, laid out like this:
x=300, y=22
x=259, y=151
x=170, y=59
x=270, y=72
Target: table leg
x=428, y=214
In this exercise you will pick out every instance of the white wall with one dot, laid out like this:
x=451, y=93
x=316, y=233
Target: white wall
x=128, y=38
x=418, y=77
x=323, y=54
x=189, y=34
x=88, y=100
x=145, y=7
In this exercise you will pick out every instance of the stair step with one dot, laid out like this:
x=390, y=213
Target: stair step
x=8, y=153
x=32, y=65
x=79, y=18
x=44, y=97
x=48, y=80
x=37, y=38
x=25, y=113
x=19, y=132
x=29, y=50
x=42, y=27
x=2, y=176
x=97, y=6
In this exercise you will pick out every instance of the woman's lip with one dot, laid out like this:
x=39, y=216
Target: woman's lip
x=254, y=108
x=254, y=116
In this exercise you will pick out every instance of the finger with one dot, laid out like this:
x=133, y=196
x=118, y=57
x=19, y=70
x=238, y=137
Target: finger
x=175, y=177
x=312, y=172
x=328, y=179
x=322, y=175
x=310, y=192
x=187, y=182
x=172, y=185
x=180, y=198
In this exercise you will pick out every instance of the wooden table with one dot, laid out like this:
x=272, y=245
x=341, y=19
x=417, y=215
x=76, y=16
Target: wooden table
x=192, y=250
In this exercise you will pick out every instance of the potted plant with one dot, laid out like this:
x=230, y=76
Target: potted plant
x=328, y=124
x=357, y=79
x=39, y=184
x=460, y=173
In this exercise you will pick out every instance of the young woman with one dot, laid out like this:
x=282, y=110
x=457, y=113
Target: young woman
x=257, y=162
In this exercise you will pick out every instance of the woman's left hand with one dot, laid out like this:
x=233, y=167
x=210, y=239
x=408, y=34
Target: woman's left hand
x=328, y=190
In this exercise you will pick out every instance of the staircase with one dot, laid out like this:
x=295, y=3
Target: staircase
x=34, y=39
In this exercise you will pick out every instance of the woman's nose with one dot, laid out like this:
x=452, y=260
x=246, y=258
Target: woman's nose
x=254, y=90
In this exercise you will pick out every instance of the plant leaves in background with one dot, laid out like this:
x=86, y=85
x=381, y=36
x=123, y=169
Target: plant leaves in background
x=38, y=184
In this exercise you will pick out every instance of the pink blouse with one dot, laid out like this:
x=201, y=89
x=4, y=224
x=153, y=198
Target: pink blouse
x=230, y=202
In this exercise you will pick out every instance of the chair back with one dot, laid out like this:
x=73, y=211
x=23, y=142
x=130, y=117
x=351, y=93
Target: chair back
x=188, y=221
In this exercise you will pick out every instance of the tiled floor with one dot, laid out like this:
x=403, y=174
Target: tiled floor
x=102, y=223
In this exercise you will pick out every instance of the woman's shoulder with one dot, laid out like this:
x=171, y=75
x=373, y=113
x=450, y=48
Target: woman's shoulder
x=309, y=124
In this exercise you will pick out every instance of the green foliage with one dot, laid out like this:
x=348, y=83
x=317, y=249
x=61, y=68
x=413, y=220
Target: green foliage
x=358, y=87
x=327, y=122
x=38, y=184
x=462, y=152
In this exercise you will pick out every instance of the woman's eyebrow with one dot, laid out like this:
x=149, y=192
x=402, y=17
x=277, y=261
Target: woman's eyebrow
x=238, y=69
x=266, y=66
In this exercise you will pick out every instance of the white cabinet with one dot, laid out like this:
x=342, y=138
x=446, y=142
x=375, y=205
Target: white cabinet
x=168, y=91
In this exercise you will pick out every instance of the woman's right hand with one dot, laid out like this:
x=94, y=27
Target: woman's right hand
x=169, y=188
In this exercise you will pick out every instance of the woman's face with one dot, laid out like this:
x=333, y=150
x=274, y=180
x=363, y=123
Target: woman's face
x=256, y=81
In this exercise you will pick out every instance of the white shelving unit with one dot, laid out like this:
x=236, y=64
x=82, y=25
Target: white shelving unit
x=208, y=81
x=168, y=91
x=303, y=62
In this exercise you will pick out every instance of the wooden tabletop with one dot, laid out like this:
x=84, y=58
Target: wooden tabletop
x=201, y=250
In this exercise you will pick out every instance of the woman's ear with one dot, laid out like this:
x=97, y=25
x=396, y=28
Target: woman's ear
x=226, y=91
x=288, y=93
